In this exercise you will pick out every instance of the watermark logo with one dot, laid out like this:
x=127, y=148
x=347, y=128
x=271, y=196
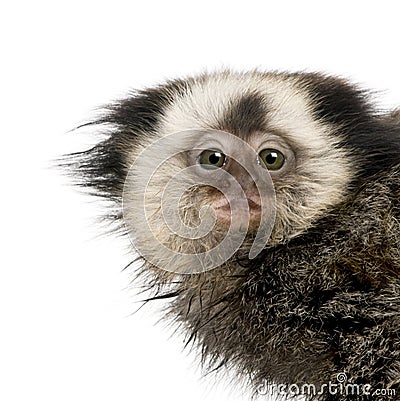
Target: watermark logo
x=340, y=387
x=172, y=200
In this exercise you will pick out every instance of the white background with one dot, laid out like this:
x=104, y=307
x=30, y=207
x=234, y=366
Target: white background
x=66, y=331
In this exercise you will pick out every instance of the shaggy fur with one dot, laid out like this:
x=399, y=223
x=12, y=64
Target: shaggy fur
x=324, y=295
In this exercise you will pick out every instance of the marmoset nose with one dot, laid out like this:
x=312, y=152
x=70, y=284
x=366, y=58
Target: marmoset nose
x=244, y=177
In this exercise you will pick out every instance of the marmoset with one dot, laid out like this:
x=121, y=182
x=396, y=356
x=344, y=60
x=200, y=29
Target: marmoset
x=308, y=160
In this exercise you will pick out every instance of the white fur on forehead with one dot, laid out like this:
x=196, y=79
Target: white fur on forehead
x=208, y=100
x=289, y=108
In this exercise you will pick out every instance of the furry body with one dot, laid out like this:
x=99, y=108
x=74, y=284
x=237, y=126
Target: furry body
x=324, y=303
x=324, y=295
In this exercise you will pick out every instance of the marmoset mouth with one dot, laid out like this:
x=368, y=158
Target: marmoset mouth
x=238, y=208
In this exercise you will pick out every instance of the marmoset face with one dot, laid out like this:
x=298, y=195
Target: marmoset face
x=234, y=155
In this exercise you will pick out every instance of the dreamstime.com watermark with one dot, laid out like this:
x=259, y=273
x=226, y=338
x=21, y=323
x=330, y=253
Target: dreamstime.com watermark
x=340, y=387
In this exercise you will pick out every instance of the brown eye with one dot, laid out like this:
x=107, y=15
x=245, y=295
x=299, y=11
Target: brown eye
x=211, y=159
x=272, y=159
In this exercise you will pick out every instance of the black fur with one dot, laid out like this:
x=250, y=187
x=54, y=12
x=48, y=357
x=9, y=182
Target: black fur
x=373, y=138
x=245, y=116
x=103, y=168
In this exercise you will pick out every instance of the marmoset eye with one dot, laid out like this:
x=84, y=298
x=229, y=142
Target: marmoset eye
x=272, y=159
x=211, y=159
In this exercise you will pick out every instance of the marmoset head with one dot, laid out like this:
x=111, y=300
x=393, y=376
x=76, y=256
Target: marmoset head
x=273, y=168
